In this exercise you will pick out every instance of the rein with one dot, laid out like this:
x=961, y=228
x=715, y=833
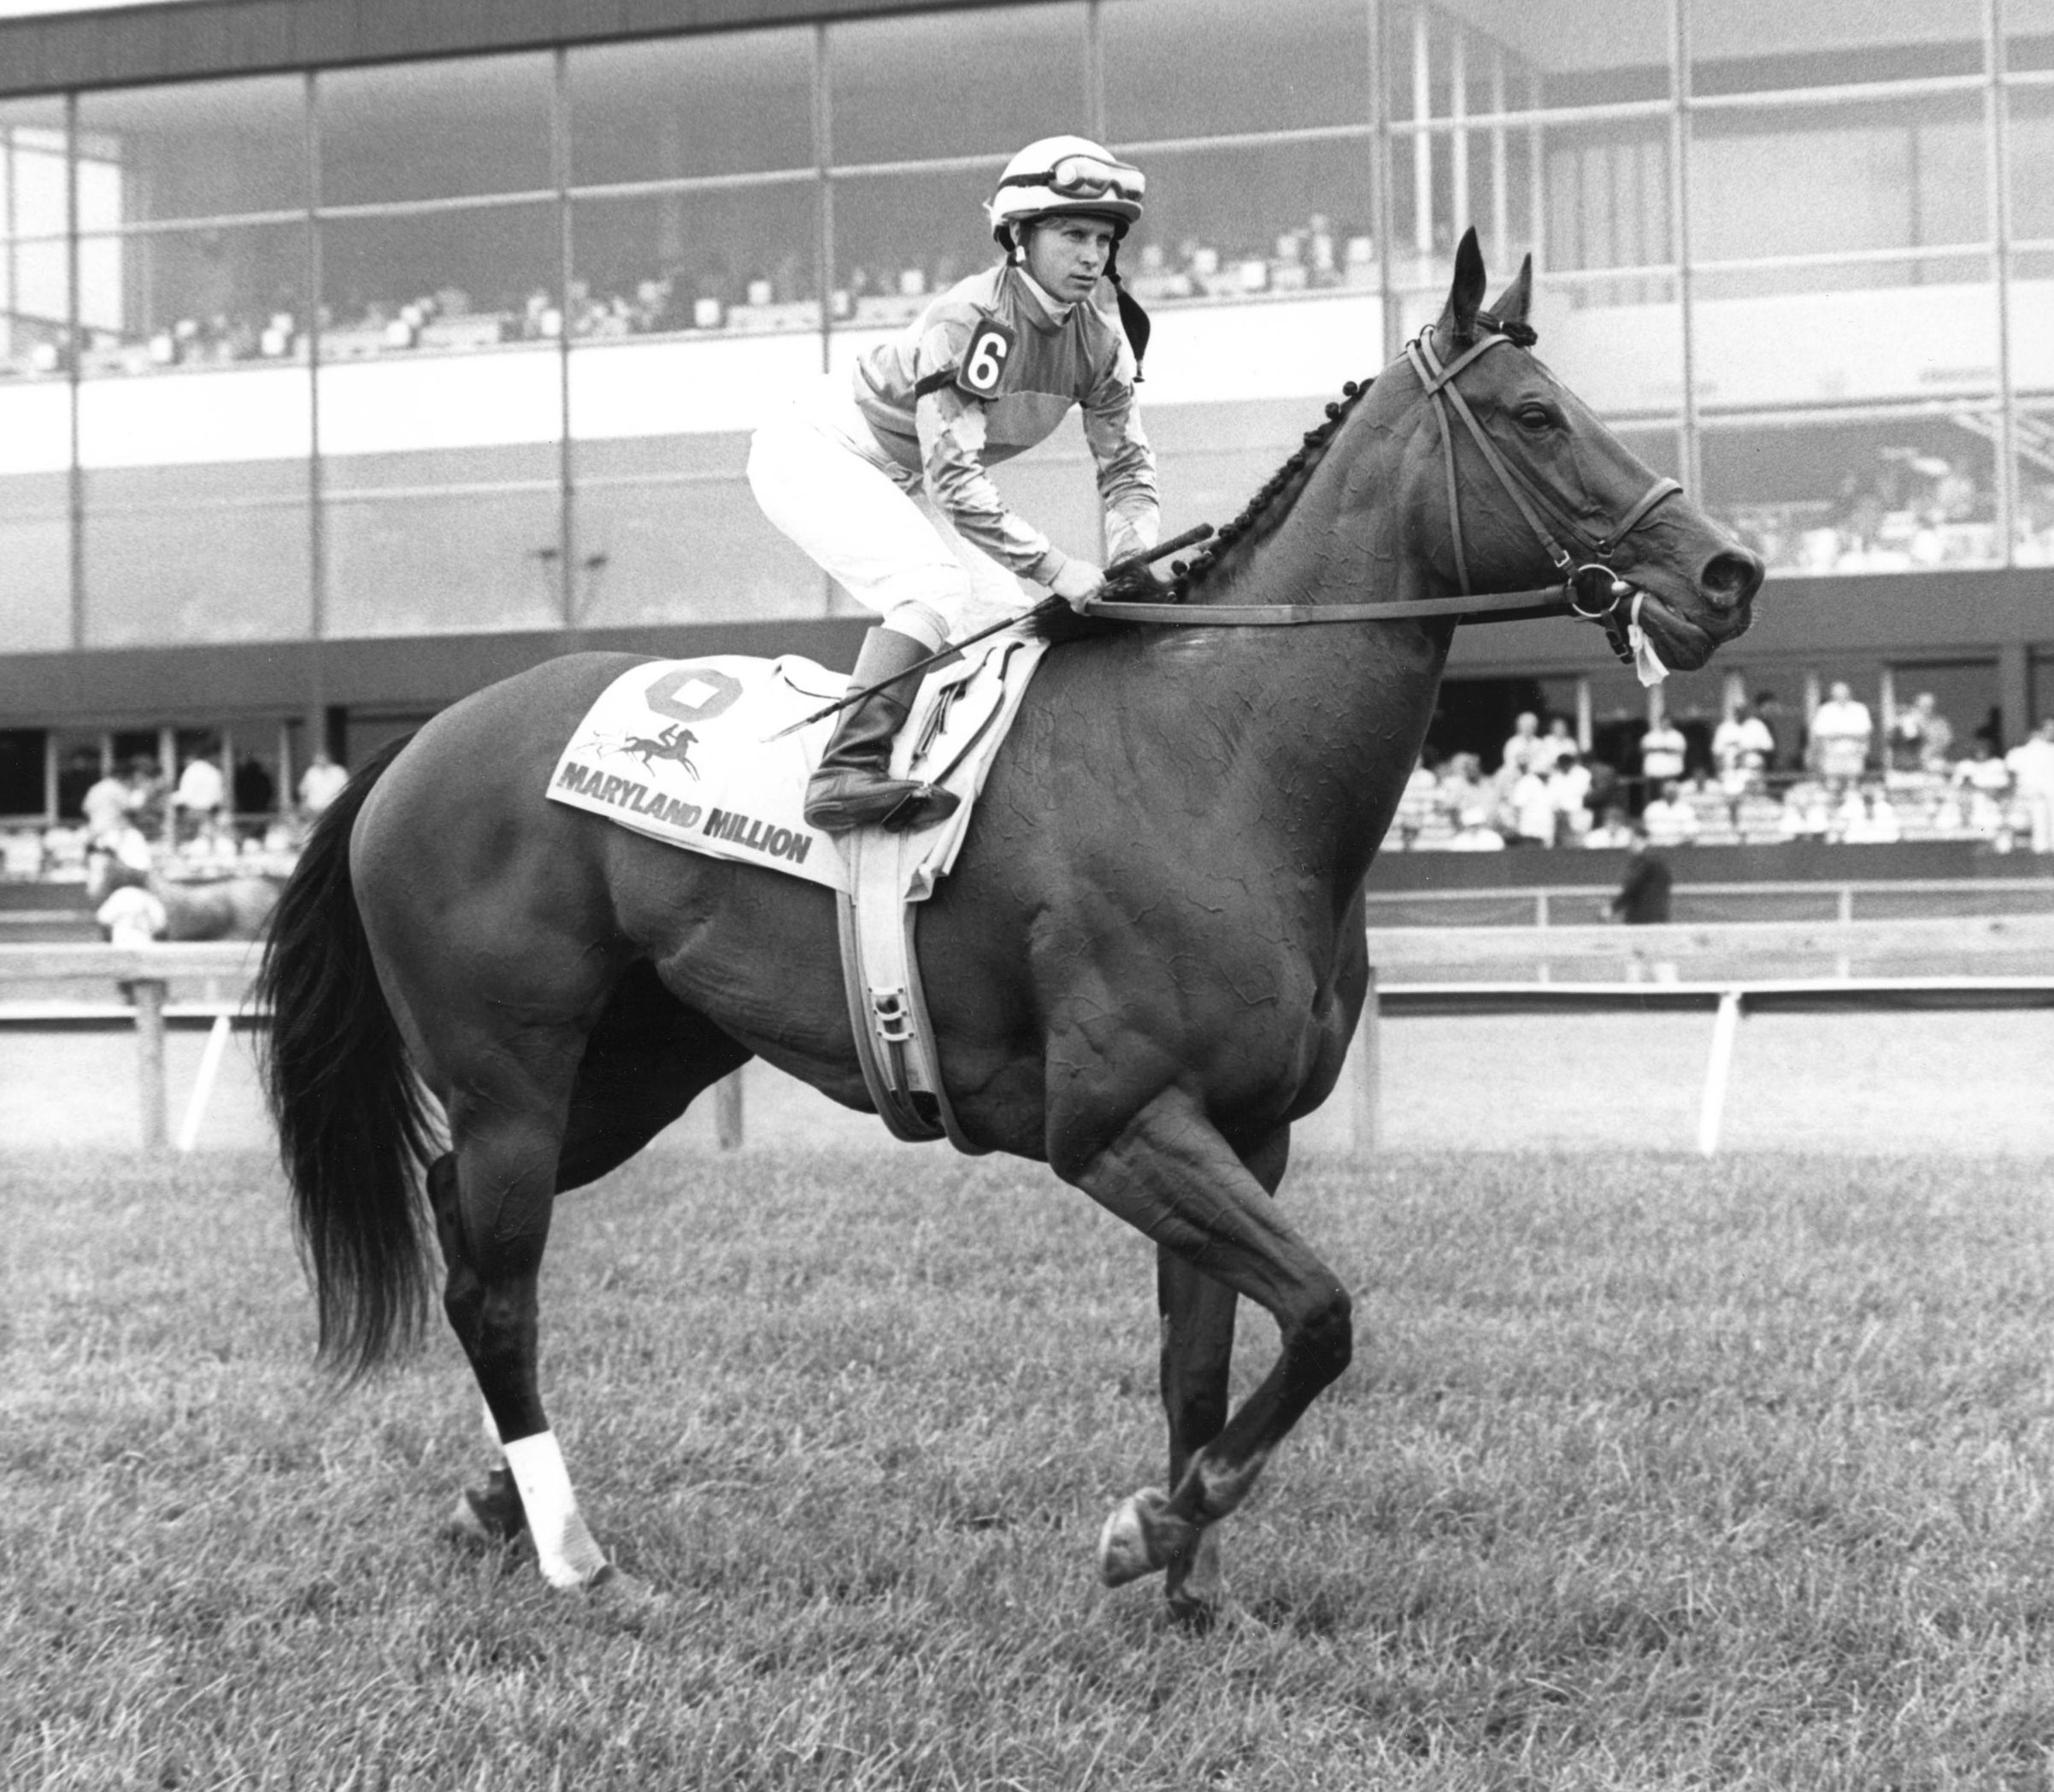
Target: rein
x=1591, y=592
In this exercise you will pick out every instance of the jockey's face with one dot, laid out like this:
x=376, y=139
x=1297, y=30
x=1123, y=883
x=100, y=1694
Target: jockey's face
x=1068, y=255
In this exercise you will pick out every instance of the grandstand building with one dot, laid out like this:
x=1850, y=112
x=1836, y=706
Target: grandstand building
x=352, y=355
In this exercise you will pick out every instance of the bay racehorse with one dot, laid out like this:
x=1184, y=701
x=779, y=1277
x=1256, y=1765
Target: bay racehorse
x=1145, y=966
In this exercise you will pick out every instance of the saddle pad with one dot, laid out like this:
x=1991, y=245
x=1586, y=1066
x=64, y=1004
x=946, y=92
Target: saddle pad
x=679, y=750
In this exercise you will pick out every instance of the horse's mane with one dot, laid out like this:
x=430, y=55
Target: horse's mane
x=1260, y=517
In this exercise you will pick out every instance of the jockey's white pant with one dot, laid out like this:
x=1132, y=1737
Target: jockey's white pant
x=817, y=471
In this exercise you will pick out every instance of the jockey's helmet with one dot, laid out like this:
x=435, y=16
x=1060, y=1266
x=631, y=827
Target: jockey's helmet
x=1064, y=177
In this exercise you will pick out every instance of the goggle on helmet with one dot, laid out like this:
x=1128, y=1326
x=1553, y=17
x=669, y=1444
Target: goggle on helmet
x=1060, y=175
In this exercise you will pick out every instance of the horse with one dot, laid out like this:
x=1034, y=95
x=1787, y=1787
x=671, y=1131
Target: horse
x=1145, y=966
x=226, y=908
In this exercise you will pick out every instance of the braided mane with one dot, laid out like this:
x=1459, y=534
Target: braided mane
x=1260, y=516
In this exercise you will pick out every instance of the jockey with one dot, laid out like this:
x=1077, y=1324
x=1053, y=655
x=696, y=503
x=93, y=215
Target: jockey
x=881, y=479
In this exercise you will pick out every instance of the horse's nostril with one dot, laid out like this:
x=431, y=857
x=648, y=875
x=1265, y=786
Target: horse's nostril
x=1731, y=577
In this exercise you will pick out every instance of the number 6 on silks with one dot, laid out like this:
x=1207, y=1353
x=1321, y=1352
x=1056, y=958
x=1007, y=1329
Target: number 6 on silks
x=985, y=360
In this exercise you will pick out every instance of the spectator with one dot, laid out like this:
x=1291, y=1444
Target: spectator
x=1670, y=820
x=1417, y=803
x=1920, y=738
x=1871, y=819
x=107, y=805
x=1742, y=748
x=1768, y=711
x=1532, y=810
x=320, y=784
x=1570, y=797
x=2031, y=764
x=1613, y=831
x=1841, y=733
x=1523, y=751
x=1607, y=788
x=1475, y=834
x=1557, y=743
x=201, y=793
x=1643, y=899
x=1663, y=749
x=1987, y=781
x=1463, y=788
x=1806, y=816
x=255, y=791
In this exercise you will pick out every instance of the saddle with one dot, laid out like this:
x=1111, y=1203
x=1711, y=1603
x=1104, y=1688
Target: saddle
x=693, y=753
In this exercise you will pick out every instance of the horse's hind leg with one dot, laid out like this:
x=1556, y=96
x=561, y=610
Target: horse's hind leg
x=1198, y=1315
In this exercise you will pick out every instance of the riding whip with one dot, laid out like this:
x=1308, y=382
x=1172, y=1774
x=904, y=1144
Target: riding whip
x=1048, y=607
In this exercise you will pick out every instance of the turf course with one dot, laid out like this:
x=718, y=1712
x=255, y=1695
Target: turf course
x=1650, y=1473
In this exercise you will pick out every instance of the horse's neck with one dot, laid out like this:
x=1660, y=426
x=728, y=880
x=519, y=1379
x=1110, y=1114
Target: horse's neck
x=1327, y=719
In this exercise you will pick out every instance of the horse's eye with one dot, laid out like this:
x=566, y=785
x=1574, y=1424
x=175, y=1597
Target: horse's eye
x=1534, y=416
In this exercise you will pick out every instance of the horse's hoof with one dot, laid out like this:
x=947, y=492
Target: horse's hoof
x=1141, y=1537
x=1195, y=1592
x=488, y=1517
x=1192, y=1613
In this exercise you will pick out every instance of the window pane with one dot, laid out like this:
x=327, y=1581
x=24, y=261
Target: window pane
x=35, y=304
x=464, y=278
x=35, y=548
x=185, y=298
x=898, y=239
x=1235, y=223
x=735, y=258
x=1617, y=343
x=32, y=201
x=200, y=150
x=1207, y=68
x=1904, y=174
x=1867, y=495
x=2031, y=301
x=184, y=555
x=2030, y=118
x=680, y=537
x=434, y=130
x=1756, y=46
x=736, y=104
x=409, y=555
x=1477, y=56
x=2035, y=533
x=956, y=84
x=2028, y=33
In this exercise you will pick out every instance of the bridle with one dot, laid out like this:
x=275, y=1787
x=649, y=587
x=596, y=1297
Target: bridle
x=1591, y=591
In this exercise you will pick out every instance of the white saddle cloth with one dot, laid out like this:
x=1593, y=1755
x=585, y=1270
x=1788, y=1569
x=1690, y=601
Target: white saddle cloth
x=679, y=750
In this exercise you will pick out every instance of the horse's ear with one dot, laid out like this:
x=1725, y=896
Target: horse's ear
x=1515, y=301
x=1466, y=294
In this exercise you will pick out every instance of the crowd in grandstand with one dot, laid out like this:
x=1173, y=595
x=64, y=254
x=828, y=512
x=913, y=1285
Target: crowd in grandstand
x=1844, y=782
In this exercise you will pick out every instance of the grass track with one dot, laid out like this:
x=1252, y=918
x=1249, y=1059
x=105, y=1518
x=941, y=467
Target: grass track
x=1650, y=1473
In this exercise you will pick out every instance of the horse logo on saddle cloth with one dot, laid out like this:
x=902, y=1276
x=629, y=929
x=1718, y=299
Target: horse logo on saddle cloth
x=739, y=793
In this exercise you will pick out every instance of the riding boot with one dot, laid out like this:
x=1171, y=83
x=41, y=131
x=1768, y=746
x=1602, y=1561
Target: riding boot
x=853, y=786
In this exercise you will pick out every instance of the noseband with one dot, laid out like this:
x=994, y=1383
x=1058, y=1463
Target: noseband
x=1592, y=592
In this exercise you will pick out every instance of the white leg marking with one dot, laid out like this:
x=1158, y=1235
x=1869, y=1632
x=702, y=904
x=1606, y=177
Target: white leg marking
x=567, y=1553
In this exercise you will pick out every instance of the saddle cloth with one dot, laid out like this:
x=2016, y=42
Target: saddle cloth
x=678, y=750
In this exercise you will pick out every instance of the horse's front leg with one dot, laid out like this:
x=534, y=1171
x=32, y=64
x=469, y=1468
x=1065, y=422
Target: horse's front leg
x=1198, y=1316
x=1169, y=1173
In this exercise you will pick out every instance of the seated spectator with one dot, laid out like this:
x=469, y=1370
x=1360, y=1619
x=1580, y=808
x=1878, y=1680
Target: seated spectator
x=1670, y=820
x=1869, y=819
x=1841, y=733
x=1557, y=743
x=320, y=784
x=1570, y=797
x=1806, y=813
x=107, y=805
x=1475, y=834
x=2031, y=764
x=1415, y=804
x=1462, y=787
x=1613, y=831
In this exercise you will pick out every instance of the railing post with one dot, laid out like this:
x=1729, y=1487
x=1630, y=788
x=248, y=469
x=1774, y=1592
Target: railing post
x=728, y=1111
x=147, y=994
x=1366, y=1086
x=1725, y=1030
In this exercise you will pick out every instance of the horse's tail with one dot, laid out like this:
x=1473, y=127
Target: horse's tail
x=353, y=1121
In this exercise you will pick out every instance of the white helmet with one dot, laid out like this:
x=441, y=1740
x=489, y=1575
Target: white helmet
x=1065, y=177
